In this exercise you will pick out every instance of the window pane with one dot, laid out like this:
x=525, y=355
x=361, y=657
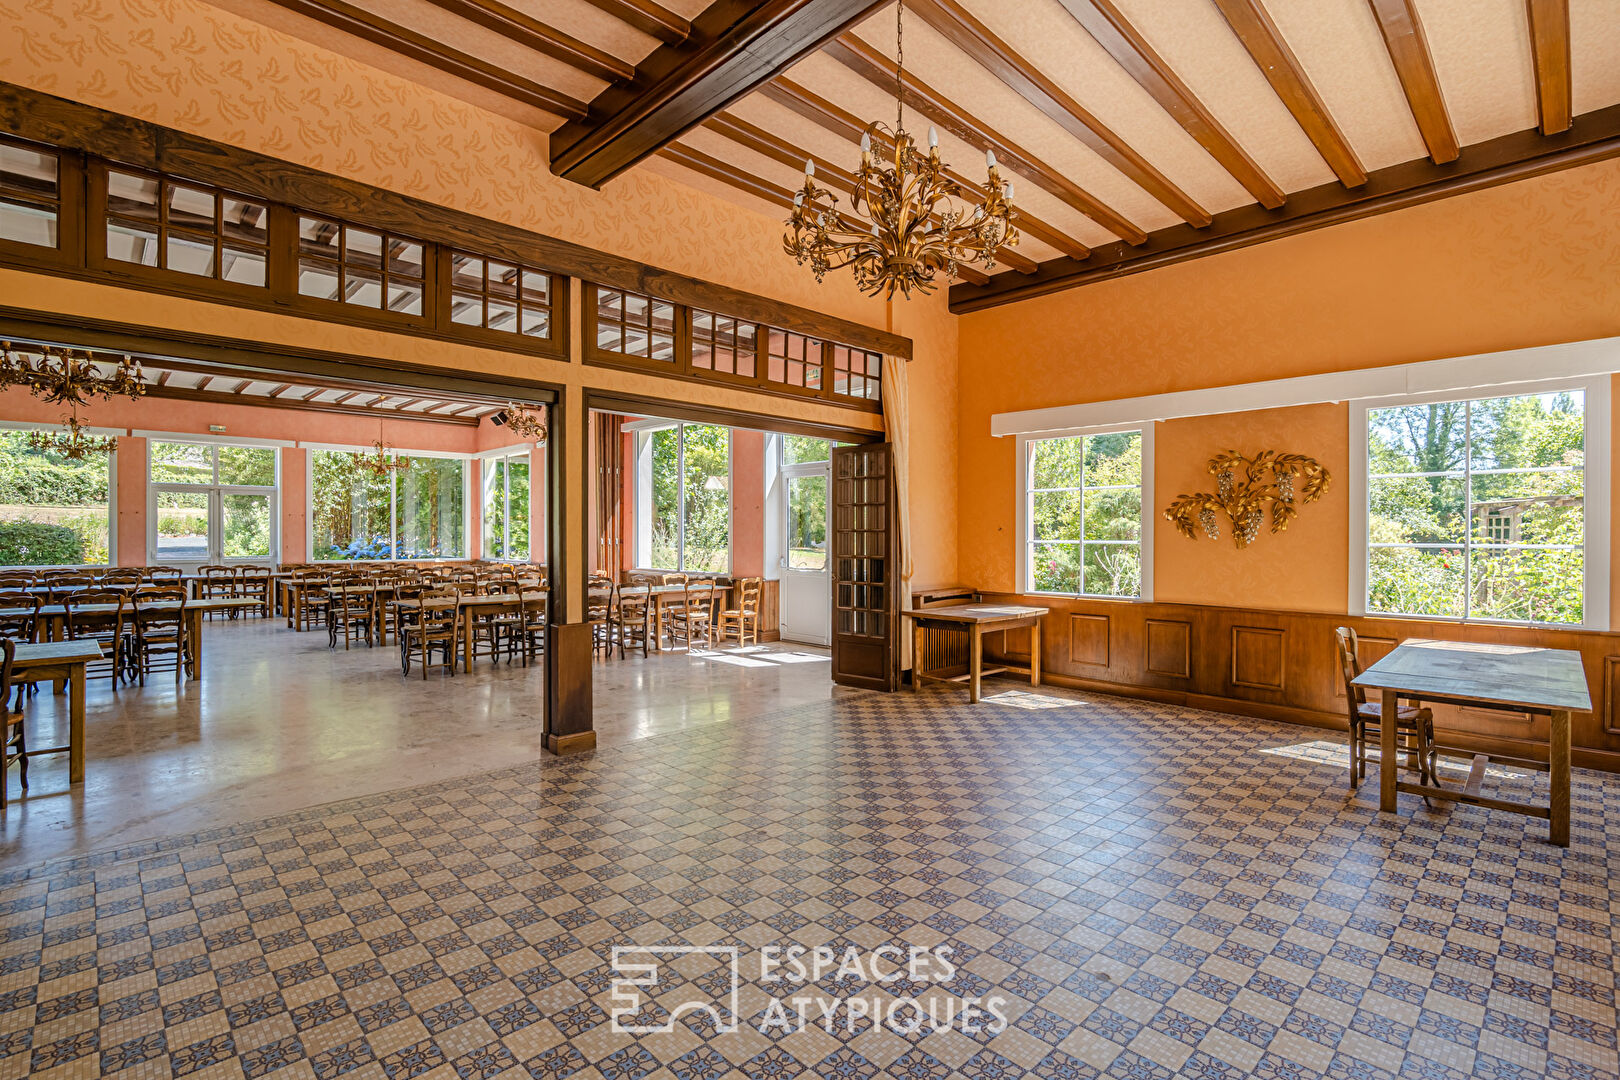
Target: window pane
x=350, y=507
x=1055, y=515
x=28, y=172
x=1113, y=570
x=53, y=511
x=664, y=501
x=1416, y=581
x=502, y=314
x=245, y=221
x=1416, y=510
x=1055, y=567
x=517, y=508
x=246, y=520
x=316, y=278
x=1113, y=514
x=1418, y=438
x=247, y=465
x=807, y=523
x=191, y=207
x=494, y=509
x=182, y=527
x=27, y=224
x=536, y=323
x=429, y=514
x=405, y=297
x=536, y=287
x=1529, y=508
x=405, y=259
x=361, y=247
x=1059, y=463
x=708, y=497
x=243, y=265
x=1525, y=432
x=1534, y=585
x=132, y=243
x=362, y=287
x=182, y=463
x=467, y=309
x=132, y=196
x=189, y=255
x=797, y=449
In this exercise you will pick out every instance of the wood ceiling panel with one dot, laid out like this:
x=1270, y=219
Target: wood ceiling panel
x=1483, y=57
x=1594, y=45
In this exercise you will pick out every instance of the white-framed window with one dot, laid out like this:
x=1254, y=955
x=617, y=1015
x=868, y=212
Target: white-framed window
x=506, y=504
x=211, y=502
x=1485, y=506
x=54, y=511
x=682, y=497
x=1085, y=500
x=415, y=513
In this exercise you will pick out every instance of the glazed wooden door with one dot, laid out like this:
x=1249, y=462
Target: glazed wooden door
x=865, y=568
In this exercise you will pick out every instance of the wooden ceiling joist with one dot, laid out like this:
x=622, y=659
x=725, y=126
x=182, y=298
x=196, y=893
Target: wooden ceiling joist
x=531, y=33
x=1409, y=51
x=781, y=151
x=878, y=69
x=840, y=121
x=726, y=173
x=735, y=46
x=959, y=26
x=212, y=397
x=652, y=19
x=1594, y=136
x=1253, y=25
x=370, y=27
x=1132, y=52
x=1549, y=38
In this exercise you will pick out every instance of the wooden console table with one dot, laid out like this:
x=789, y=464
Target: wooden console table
x=975, y=620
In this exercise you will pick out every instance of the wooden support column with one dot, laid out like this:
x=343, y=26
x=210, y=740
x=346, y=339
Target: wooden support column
x=569, y=723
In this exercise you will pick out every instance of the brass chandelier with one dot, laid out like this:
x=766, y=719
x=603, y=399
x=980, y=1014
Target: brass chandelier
x=905, y=224
x=64, y=377
x=382, y=461
x=525, y=423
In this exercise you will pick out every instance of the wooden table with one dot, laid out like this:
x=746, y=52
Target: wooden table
x=663, y=597
x=1479, y=675
x=54, y=619
x=56, y=661
x=467, y=608
x=976, y=620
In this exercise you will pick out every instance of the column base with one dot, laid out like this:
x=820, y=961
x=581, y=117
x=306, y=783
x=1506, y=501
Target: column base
x=578, y=743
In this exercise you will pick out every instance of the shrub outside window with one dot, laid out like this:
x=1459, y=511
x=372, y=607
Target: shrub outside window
x=1083, y=514
x=53, y=511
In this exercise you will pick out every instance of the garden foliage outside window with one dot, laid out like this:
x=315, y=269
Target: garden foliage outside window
x=1083, y=501
x=1476, y=509
x=415, y=513
x=683, y=499
x=53, y=511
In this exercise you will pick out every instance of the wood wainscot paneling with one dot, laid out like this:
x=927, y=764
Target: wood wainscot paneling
x=1283, y=665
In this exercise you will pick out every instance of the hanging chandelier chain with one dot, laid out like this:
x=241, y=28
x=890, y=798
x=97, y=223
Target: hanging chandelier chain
x=899, y=67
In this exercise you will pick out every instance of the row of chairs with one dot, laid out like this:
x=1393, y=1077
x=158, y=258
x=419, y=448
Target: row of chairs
x=515, y=627
x=622, y=615
x=144, y=632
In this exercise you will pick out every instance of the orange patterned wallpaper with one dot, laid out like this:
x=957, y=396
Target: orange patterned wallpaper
x=1530, y=263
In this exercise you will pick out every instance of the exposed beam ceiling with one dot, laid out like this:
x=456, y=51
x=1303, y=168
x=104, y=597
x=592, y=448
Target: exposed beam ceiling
x=1131, y=51
x=648, y=17
x=1409, y=51
x=734, y=47
x=962, y=29
x=531, y=33
x=1593, y=137
x=879, y=70
x=367, y=26
x=213, y=397
x=1254, y=27
x=1549, y=36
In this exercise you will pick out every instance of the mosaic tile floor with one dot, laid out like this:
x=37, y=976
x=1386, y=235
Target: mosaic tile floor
x=1147, y=891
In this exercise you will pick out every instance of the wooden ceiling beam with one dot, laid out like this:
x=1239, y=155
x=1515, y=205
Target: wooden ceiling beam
x=1253, y=25
x=729, y=174
x=171, y=393
x=1409, y=51
x=735, y=46
x=1549, y=38
x=841, y=122
x=764, y=143
x=521, y=29
x=959, y=26
x=1595, y=136
x=1132, y=52
x=652, y=19
x=319, y=384
x=879, y=70
x=370, y=27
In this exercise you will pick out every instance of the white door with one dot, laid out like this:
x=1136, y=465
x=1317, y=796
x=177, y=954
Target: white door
x=805, y=600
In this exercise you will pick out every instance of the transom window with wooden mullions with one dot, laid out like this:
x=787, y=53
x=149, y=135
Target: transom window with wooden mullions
x=630, y=324
x=360, y=267
x=499, y=296
x=723, y=344
x=30, y=195
x=185, y=228
x=793, y=359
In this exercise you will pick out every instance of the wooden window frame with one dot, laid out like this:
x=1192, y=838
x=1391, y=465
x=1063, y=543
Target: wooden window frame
x=687, y=317
x=865, y=377
x=553, y=344
x=382, y=315
x=69, y=249
x=97, y=220
x=680, y=325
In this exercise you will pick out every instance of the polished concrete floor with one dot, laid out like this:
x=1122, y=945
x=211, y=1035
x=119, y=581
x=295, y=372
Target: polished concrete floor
x=1096, y=888
x=279, y=722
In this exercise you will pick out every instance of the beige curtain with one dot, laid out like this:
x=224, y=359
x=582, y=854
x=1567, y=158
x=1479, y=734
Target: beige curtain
x=897, y=424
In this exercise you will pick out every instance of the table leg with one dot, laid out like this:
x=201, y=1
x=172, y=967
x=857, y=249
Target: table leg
x=194, y=631
x=76, y=725
x=916, y=655
x=1035, y=653
x=466, y=640
x=658, y=638
x=1387, y=763
x=1558, y=777
x=975, y=663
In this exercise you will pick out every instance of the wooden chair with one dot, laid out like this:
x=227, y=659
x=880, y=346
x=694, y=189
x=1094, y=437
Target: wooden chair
x=219, y=583
x=19, y=616
x=350, y=613
x=692, y=620
x=17, y=579
x=496, y=627
x=424, y=629
x=122, y=575
x=633, y=619
x=108, y=628
x=164, y=575
x=63, y=585
x=310, y=611
x=599, y=597
x=13, y=736
x=158, y=633
x=253, y=582
x=1414, y=724
x=532, y=604
x=744, y=618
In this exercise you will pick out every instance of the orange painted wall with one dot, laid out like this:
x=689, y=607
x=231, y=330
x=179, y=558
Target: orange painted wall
x=1530, y=263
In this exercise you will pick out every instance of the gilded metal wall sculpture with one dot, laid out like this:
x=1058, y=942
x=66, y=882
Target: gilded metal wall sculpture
x=1244, y=488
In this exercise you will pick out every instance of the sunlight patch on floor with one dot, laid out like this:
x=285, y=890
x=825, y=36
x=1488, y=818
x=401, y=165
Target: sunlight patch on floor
x=757, y=656
x=1023, y=699
x=1327, y=752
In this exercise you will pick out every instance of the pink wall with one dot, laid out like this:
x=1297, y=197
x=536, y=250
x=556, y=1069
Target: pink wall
x=747, y=503
x=131, y=487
